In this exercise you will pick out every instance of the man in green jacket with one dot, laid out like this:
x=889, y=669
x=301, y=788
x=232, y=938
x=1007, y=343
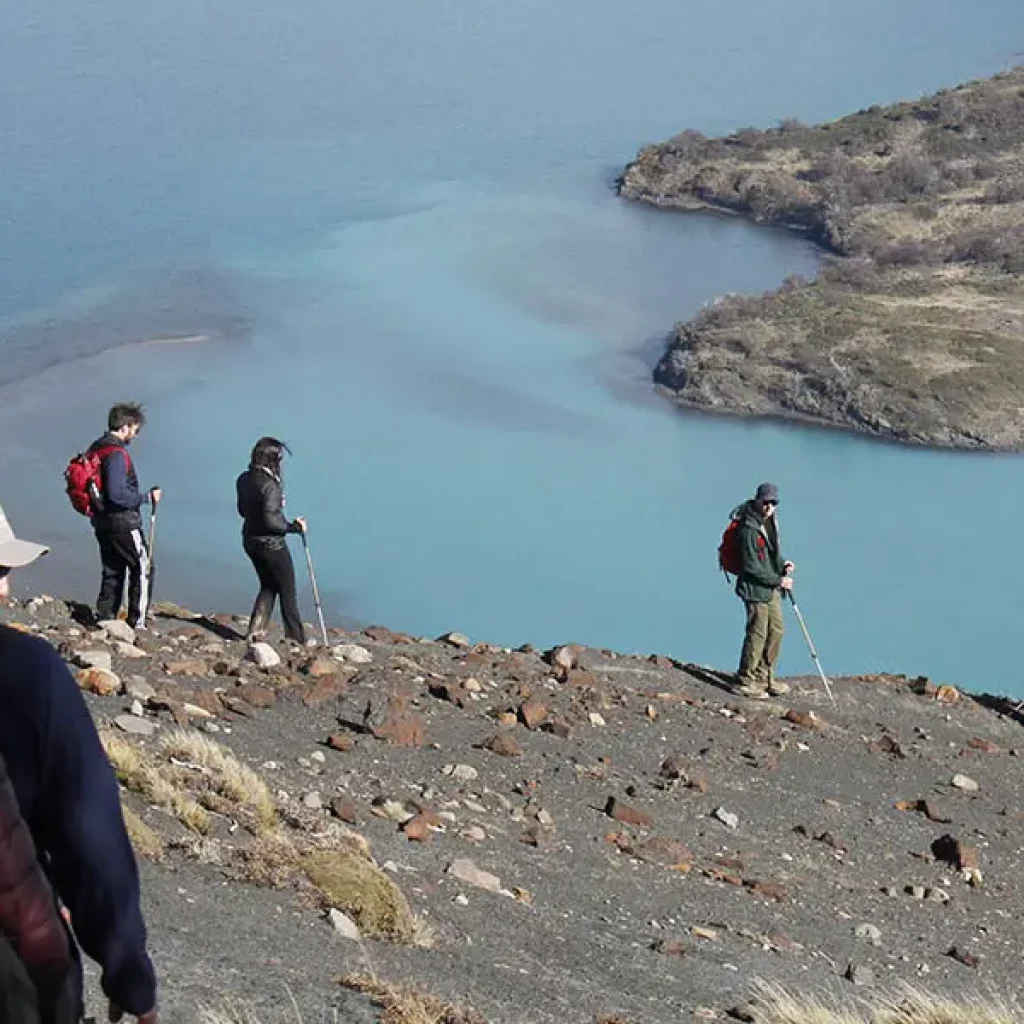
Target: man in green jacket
x=763, y=577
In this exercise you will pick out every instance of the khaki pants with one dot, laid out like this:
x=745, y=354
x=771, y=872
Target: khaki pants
x=761, y=642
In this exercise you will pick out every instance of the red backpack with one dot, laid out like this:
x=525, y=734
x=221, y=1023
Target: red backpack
x=730, y=559
x=83, y=479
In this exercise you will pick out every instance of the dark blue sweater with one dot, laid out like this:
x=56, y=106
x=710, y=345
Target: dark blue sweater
x=69, y=797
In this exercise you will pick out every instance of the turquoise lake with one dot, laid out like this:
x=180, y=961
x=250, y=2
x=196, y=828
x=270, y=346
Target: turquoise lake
x=390, y=232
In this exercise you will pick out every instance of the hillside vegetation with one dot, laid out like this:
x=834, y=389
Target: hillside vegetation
x=913, y=330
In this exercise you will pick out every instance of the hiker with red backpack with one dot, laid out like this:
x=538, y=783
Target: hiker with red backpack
x=103, y=485
x=751, y=552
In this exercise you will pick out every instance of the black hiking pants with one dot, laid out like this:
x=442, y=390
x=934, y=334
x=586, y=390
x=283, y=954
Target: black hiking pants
x=123, y=555
x=274, y=567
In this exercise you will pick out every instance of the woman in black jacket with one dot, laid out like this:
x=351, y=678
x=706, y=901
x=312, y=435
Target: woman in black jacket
x=264, y=531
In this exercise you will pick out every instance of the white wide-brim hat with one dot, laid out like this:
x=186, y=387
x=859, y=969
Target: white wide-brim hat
x=15, y=553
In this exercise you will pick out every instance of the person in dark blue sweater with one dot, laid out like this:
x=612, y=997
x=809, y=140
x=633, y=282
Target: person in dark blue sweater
x=68, y=796
x=117, y=521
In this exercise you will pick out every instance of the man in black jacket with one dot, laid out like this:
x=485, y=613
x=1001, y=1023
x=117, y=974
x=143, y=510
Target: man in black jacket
x=118, y=521
x=264, y=537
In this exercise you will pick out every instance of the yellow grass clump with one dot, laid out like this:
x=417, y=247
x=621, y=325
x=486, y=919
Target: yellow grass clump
x=404, y=1004
x=151, y=781
x=356, y=885
x=145, y=842
x=774, y=1004
x=226, y=775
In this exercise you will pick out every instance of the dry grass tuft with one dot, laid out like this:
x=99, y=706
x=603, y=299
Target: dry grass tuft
x=145, y=842
x=271, y=860
x=403, y=1004
x=775, y=1005
x=151, y=781
x=357, y=886
x=227, y=776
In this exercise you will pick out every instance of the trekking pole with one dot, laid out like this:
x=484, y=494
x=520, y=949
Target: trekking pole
x=150, y=542
x=316, y=590
x=810, y=645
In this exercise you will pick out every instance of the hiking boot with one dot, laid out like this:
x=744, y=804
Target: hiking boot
x=752, y=691
x=778, y=689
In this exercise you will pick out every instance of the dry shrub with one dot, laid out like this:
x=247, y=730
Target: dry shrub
x=403, y=1004
x=774, y=1004
x=270, y=860
x=226, y=776
x=145, y=842
x=136, y=772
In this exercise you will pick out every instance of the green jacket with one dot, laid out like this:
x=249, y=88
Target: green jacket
x=761, y=555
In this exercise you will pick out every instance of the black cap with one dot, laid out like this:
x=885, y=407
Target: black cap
x=767, y=492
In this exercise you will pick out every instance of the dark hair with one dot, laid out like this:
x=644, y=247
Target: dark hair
x=125, y=414
x=267, y=453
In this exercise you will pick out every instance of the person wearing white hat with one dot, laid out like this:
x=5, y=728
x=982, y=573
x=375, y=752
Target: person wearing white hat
x=15, y=553
x=68, y=796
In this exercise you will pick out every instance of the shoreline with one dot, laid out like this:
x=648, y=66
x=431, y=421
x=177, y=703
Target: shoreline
x=908, y=333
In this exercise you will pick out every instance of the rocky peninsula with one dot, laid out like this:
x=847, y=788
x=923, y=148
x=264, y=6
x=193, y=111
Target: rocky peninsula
x=914, y=331
x=443, y=831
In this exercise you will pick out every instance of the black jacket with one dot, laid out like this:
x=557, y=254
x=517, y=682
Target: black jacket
x=261, y=504
x=120, y=499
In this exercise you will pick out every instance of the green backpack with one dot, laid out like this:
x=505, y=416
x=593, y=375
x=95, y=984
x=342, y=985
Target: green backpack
x=18, y=1004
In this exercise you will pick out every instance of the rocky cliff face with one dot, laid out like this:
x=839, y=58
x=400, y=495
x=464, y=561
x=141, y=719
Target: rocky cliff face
x=912, y=332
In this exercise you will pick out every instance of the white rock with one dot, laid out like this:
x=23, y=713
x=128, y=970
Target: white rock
x=464, y=773
x=869, y=933
x=129, y=650
x=139, y=689
x=351, y=653
x=263, y=655
x=473, y=685
x=344, y=926
x=964, y=782
x=466, y=871
x=597, y=720
x=455, y=639
x=195, y=711
x=137, y=708
x=313, y=801
x=94, y=659
x=318, y=756
x=727, y=818
x=118, y=630
x=135, y=726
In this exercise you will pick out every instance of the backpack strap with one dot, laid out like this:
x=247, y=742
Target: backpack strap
x=103, y=451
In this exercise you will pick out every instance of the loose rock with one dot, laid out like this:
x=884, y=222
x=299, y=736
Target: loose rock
x=344, y=925
x=503, y=744
x=466, y=871
x=352, y=653
x=627, y=814
x=263, y=655
x=99, y=681
x=727, y=818
x=94, y=659
x=965, y=783
x=135, y=726
x=118, y=630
